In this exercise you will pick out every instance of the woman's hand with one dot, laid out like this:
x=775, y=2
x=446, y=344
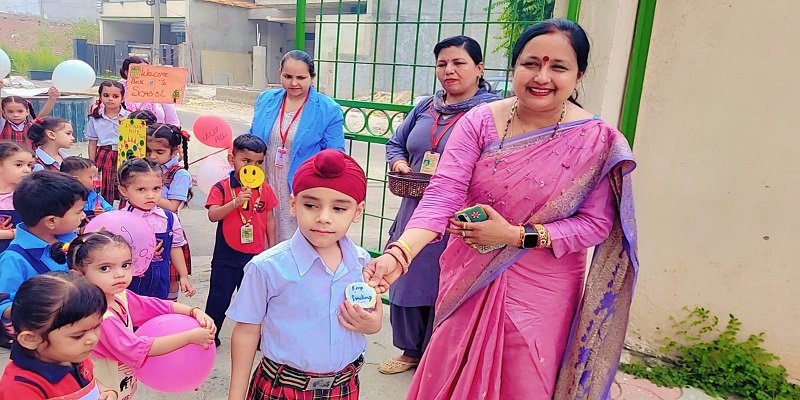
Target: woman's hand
x=401, y=166
x=495, y=230
x=381, y=272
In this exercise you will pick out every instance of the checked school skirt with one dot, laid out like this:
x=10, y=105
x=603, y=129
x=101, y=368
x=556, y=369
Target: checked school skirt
x=273, y=381
x=106, y=160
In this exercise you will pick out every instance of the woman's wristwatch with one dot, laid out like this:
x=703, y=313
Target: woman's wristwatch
x=530, y=238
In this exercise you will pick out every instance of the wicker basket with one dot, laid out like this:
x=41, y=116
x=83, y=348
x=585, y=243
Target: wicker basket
x=411, y=185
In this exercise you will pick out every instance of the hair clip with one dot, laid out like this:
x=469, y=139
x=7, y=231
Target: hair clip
x=64, y=248
x=39, y=120
x=185, y=135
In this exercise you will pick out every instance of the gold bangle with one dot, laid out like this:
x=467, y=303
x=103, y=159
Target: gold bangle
x=406, y=247
x=544, y=236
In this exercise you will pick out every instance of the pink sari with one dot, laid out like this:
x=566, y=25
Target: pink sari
x=513, y=323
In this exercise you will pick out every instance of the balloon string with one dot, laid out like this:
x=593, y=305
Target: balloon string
x=206, y=156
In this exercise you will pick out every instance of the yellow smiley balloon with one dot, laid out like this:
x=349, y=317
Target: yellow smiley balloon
x=252, y=176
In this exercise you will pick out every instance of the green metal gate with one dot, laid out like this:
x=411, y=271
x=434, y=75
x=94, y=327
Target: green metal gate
x=375, y=57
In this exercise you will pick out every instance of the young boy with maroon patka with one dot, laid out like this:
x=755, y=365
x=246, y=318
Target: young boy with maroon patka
x=246, y=225
x=292, y=297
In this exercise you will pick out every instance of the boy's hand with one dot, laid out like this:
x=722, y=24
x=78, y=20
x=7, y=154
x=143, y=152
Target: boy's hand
x=355, y=318
x=53, y=93
x=243, y=196
x=186, y=286
x=201, y=336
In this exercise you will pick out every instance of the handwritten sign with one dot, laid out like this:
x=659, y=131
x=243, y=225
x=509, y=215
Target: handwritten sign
x=132, y=139
x=362, y=294
x=156, y=84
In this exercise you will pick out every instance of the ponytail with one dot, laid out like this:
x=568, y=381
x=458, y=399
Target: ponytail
x=58, y=252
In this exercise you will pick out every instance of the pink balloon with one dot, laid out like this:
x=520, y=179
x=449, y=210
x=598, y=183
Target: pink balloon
x=213, y=131
x=182, y=370
x=212, y=170
x=136, y=231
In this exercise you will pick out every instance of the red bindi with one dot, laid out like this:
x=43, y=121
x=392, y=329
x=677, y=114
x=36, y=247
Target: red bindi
x=545, y=59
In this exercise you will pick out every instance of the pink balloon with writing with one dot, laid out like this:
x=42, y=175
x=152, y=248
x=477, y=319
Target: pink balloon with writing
x=213, y=131
x=135, y=230
x=182, y=370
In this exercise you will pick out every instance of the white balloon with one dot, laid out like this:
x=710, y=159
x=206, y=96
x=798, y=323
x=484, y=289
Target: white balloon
x=212, y=170
x=73, y=76
x=5, y=64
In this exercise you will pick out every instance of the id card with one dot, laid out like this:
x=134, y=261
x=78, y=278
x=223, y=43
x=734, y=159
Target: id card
x=247, y=234
x=280, y=157
x=429, y=163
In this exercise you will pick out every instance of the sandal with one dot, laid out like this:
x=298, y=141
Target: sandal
x=395, y=366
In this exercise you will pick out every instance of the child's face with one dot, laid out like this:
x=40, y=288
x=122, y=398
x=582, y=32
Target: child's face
x=72, y=343
x=324, y=215
x=71, y=220
x=62, y=136
x=111, y=97
x=109, y=268
x=144, y=190
x=159, y=151
x=16, y=167
x=243, y=158
x=15, y=112
x=86, y=177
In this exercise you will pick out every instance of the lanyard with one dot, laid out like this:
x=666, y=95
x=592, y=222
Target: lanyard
x=435, y=139
x=252, y=206
x=285, y=135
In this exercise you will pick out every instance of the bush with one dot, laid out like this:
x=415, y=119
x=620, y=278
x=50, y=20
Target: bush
x=39, y=59
x=723, y=365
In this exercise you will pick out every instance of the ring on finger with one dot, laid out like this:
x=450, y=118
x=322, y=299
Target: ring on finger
x=465, y=226
x=464, y=234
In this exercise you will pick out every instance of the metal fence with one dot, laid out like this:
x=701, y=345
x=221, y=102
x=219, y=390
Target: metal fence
x=106, y=59
x=375, y=58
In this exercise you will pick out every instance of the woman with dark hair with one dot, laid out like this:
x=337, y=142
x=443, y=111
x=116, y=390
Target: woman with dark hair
x=165, y=113
x=422, y=137
x=296, y=122
x=545, y=181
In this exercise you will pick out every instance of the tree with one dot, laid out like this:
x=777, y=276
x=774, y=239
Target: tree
x=517, y=15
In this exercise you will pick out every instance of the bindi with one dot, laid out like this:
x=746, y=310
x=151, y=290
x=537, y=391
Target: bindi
x=545, y=59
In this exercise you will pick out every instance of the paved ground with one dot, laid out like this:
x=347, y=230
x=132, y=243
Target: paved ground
x=375, y=386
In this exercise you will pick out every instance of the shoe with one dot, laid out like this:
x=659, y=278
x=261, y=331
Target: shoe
x=395, y=366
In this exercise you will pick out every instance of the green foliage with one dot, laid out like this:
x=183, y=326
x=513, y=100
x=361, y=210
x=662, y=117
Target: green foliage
x=85, y=29
x=38, y=59
x=518, y=15
x=717, y=362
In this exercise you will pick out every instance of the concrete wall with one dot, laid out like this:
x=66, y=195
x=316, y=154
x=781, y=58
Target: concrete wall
x=74, y=10
x=111, y=31
x=719, y=174
x=214, y=28
x=226, y=68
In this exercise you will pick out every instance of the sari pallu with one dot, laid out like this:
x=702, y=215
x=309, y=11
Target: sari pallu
x=541, y=180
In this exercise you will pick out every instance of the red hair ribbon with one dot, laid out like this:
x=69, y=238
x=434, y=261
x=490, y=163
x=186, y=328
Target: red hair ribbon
x=185, y=135
x=39, y=120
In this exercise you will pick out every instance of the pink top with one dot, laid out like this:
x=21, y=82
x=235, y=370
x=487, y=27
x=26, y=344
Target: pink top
x=157, y=219
x=117, y=340
x=7, y=201
x=448, y=194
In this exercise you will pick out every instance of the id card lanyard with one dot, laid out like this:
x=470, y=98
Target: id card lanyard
x=246, y=232
x=280, y=156
x=431, y=159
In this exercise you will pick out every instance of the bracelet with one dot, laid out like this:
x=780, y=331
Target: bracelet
x=191, y=311
x=401, y=259
x=544, y=236
x=521, y=236
x=406, y=247
x=402, y=252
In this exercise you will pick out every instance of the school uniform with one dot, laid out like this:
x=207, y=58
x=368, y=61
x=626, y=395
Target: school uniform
x=26, y=257
x=45, y=162
x=93, y=199
x=169, y=234
x=28, y=378
x=231, y=253
x=17, y=133
x=105, y=131
x=295, y=298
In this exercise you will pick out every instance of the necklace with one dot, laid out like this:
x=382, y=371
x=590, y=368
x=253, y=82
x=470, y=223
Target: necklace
x=511, y=115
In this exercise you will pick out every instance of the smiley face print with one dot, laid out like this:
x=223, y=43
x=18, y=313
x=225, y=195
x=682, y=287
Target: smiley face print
x=252, y=176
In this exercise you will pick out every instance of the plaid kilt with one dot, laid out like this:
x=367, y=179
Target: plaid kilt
x=279, y=387
x=106, y=160
x=187, y=257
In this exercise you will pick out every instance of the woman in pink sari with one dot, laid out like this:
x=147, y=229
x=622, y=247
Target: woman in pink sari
x=519, y=322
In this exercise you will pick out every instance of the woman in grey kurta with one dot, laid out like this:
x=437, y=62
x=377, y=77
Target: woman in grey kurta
x=459, y=69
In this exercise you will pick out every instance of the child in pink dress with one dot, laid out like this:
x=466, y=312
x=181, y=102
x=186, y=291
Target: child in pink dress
x=104, y=259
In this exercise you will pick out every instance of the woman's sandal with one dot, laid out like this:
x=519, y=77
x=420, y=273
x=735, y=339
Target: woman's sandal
x=395, y=366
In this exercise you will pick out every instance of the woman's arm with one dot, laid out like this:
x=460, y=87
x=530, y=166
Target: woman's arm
x=333, y=136
x=396, y=150
x=171, y=114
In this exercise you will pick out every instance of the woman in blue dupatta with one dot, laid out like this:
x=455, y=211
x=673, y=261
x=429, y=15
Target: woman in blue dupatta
x=519, y=321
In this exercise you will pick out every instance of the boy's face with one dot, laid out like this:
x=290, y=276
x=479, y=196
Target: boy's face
x=244, y=157
x=86, y=177
x=324, y=215
x=69, y=222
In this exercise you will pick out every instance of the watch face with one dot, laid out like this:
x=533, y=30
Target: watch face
x=530, y=240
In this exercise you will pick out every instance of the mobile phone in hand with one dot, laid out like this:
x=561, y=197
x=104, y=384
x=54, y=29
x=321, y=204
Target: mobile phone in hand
x=472, y=214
